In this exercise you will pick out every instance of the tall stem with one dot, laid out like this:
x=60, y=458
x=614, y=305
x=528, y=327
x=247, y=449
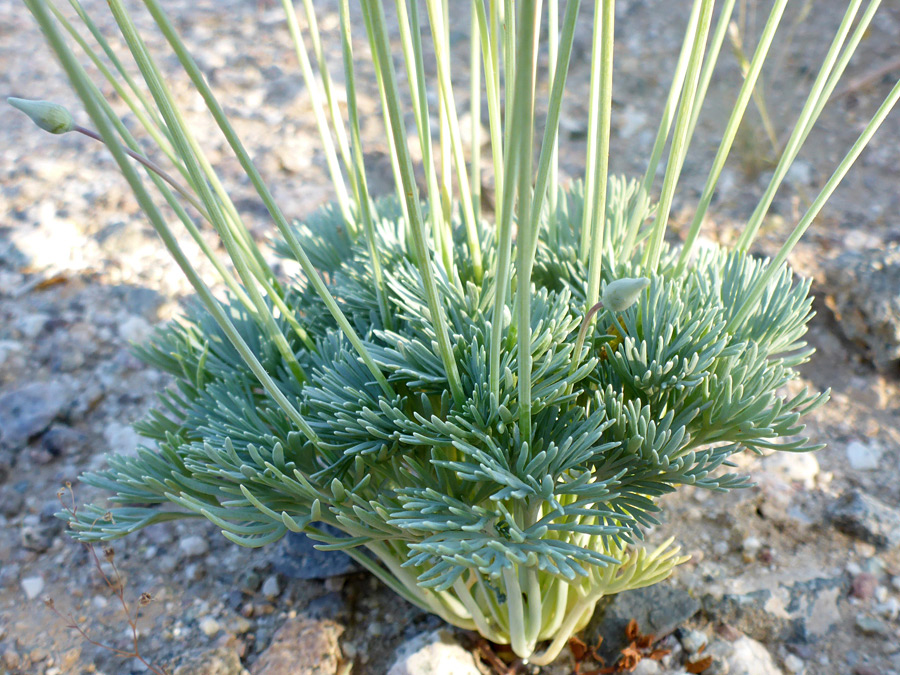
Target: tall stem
x=601, y=159
x=526, y=42
x=423, y=255
x=679, y=141
x=263, y=191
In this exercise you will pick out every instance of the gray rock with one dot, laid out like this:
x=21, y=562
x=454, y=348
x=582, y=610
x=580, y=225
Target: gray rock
x=435, y=653
x=283, y=90
x=296, y=557
x=9, y=347
x=221, y=660
x=27, y=411
x=270, y=587
x=749, y=613
x=61, y=440
x=658, y=610
x=873, y=626
x=864, y=287
x=141, y=301
x=802, y=610
x=866, y=518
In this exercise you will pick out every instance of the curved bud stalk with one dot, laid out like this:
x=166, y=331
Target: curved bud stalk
x=427, y=389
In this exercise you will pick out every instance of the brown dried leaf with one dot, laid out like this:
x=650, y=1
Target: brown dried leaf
x=657, y=654
x=579, y=649
x=631, y=630
x=699, y=666
x=631, y=656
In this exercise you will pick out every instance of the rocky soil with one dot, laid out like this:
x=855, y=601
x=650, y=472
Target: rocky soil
x=800, y=574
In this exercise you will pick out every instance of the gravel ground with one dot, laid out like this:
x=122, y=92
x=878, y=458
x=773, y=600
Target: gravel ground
x=82, y=275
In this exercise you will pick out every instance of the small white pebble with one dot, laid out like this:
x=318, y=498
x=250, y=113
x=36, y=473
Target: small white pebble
x=853, y=569
x=863, y=457
x=693, y=641
x=890, y=608
x=209, y=626
x=193, y=546
x=881, y=593
x=270, y=587
x=646, y=667
x=720, y=548
x=751, y=545
x=794, y=664
x=895, y=582
x=33, y=586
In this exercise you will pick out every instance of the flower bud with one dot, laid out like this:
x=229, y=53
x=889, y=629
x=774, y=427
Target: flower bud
x=48, y=116
x=621, y=294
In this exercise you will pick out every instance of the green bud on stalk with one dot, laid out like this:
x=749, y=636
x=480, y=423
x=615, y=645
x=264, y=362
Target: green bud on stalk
x=47, y=115
x=621, y=294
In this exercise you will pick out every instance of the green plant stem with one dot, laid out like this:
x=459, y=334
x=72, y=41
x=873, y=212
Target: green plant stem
x=481, y=621
x=318, y=108
x=392, y=154
x=582, y=334
x=166, y=106
x=284, y=228
x=731, y=128
x=159, y=176
x=712, y=58
x=423, y=257
x=567, y=628
x=162, y=137
x=552, y=61
x=526, y=42
x=826, y=81
x=759, y=288
x=591, y=163
x=134, y=99
x=759, y=97
x=81, y=83
x=150, y=165
x=508, y=37
x=450, y=119
x=665, y=125
x=159, y=179
x=475, y=110
x=411, y=41
x=545, y=185
x=361, y=184
x=334, y=110
x=601, y=159
x=492, y=91
x=679, y=141
x=151, y=112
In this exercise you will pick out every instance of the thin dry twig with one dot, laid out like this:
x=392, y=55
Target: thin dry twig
x=116, y=584
x=870, y=77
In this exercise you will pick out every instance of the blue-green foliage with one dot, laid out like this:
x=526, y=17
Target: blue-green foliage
x=670, y=389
